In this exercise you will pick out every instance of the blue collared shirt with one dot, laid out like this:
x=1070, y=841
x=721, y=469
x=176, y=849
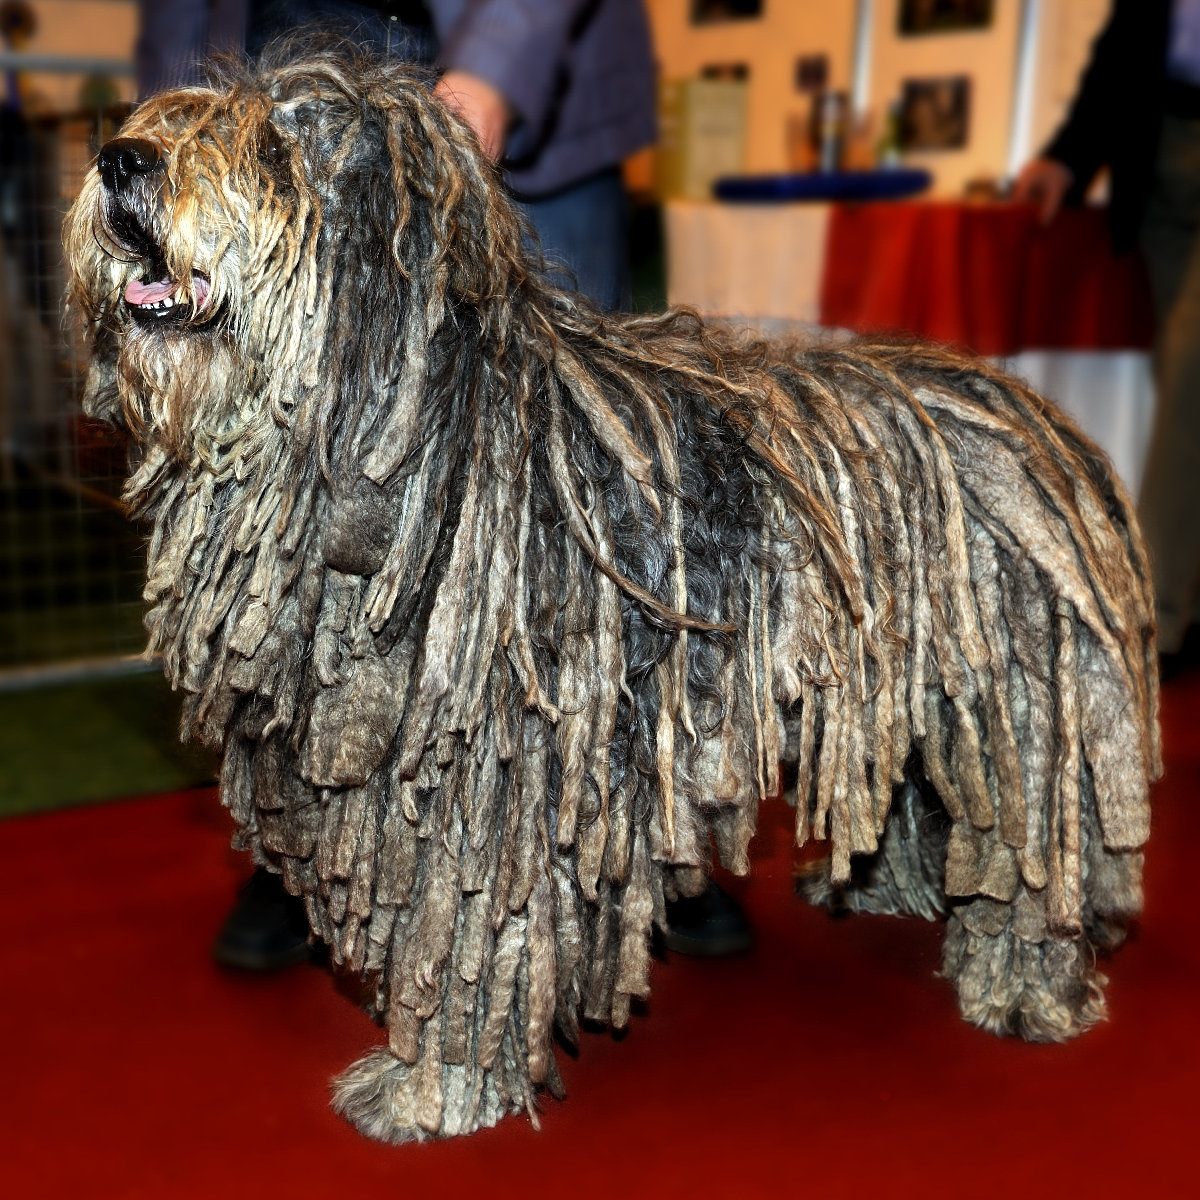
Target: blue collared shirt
x=1183, y=45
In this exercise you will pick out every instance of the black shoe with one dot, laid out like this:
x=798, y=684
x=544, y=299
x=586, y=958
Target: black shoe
x=708, y=925
x=1186, y=659
x=266, y=930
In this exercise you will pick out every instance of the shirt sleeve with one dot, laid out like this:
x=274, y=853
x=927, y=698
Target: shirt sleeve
x=520, y=47
x=1084, y=141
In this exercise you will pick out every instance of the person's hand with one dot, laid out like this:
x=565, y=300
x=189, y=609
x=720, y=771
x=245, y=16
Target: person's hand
x=480, y=105
x=1044, y=182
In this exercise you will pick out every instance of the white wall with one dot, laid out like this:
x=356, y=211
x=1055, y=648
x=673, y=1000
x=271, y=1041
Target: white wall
x=769, y=46
x=1065, y=31
x=1020, y=87
x=987, y=56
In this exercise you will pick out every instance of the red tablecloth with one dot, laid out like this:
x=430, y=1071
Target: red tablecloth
x=986, y=277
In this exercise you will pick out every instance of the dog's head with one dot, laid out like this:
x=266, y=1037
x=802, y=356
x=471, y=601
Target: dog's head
x=235, y=239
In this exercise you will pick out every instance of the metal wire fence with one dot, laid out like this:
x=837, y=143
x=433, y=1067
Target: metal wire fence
x=70, y=563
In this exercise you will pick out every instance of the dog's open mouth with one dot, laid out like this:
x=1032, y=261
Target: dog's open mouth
x=166, y=301
x=157, y=298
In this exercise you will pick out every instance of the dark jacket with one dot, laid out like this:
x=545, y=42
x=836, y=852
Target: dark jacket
x=578, y=74
x=1116, y=117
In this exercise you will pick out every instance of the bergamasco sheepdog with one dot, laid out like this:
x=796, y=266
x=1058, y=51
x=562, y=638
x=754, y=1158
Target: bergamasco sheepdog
x=504, y=612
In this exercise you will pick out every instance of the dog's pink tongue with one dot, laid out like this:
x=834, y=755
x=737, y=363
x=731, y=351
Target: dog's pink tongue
x=138, y=292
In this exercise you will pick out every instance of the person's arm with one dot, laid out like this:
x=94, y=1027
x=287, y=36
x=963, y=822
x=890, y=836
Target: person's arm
x=502, y=61
x=1044, y=182
x=480, y=105
x=1082, y=145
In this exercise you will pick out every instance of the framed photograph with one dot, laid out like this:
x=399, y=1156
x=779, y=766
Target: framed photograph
x=739, y=72
x=709, y=12
x=812, y=73
x=943, y=16
x=935, y=113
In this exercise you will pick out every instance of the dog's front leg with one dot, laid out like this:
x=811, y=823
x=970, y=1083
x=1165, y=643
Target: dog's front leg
x=496, y=944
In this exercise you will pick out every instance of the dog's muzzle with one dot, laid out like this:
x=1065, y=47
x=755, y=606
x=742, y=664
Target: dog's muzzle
x=124, y=160
x=132, y=172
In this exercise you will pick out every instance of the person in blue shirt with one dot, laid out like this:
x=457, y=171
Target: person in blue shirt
x=558, y=93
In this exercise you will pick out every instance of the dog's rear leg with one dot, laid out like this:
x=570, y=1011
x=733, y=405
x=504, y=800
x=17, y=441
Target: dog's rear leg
x=904, y=877
x=1015, y=977
x=1016, y=973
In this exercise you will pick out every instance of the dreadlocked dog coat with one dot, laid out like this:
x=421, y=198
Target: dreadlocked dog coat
x=504, y=613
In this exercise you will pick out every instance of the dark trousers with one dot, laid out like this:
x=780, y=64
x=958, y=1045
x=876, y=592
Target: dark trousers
x=585, y=236
x=1169, y=504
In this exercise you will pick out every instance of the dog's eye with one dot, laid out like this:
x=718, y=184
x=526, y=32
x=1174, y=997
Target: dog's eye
x=271, y=151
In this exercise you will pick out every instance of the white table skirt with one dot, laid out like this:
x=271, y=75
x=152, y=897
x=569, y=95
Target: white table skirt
x=1108, y=393
x=747, y=260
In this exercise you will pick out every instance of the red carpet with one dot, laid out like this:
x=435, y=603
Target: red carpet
x=828, y=1061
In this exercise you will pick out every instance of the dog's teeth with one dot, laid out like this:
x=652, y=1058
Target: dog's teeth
x=160, y=308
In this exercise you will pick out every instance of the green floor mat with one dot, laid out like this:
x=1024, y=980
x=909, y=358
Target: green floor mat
x=81, y=743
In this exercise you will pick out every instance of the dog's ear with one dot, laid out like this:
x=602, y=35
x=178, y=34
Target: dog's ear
x=427, y=254
x=101, y=397
x=91, y=302
x=397, y=157
x=454, y=211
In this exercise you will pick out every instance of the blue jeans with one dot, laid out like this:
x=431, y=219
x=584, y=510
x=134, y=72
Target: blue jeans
x=584, y=234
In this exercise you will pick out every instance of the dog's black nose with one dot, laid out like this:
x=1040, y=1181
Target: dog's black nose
x=124, y=159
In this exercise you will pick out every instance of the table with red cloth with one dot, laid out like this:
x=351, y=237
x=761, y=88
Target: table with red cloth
x=988, y=277
x=1052, y=303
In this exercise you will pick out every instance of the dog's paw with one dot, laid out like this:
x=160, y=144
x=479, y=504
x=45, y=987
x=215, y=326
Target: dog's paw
x=387, y=1099
x=812, y=883
x=875, y=887
x=1048, y=991
x=379, y=1097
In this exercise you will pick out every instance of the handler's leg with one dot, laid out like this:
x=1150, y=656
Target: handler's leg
x=1169, y=505
x=584, y=229
x=266, y=930
x=584, y=232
